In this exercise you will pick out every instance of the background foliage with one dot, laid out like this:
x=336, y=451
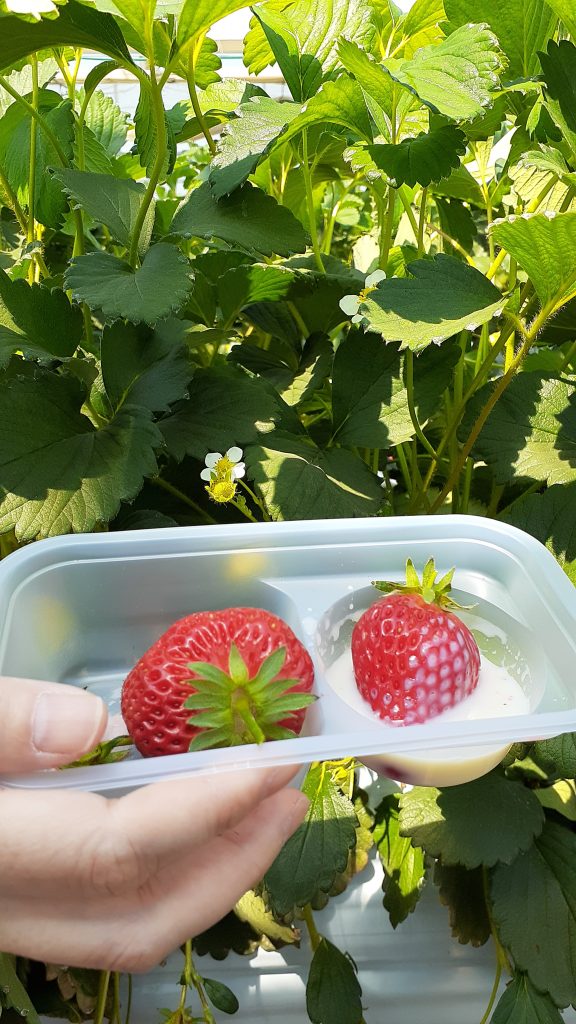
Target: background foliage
x=194, y=278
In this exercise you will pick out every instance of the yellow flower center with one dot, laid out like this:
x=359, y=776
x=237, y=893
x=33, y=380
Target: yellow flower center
x=221, y=490
x=366, y=292
x=223, y=468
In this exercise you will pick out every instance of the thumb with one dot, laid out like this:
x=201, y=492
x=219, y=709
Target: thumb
x=44, y=725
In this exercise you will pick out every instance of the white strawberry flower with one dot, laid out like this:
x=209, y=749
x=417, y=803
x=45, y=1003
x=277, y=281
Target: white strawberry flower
x=350, y=304
x=222, y=472
x=34, y=8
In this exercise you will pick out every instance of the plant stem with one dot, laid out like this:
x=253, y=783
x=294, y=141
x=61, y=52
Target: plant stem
x=116, y=1019
x=310, y=203
x=193, y=978
x=255, y=499
x=494, y=992
x=313, y=933
x=409, y=364
x=422, y=222
x=31, y=227
x=386, y=229
x=39, y=118
x=176, y=493
x=499, y=390
x=129, y=1000
x=103, y=986
x=191, y=81
x=465, y=496
x=161, y=147
x=402, y=462
x=568, y=358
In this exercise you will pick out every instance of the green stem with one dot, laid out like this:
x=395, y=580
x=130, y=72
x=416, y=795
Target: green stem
x=529, y=490
x=241, y=707
x=494, y=992
x=403, y=463
x=242, y=507
x=422, y=222
x=255, y=499
x=409, y=364
x=116, y=1018
x=568, y=358
x=31, y=228
x=39, y=118
x=465, y=496
x=191, y=81
x=387, y=228
x=129, y=1000
x=177, y=493
x=100, y=1008
x=193, y=978
x=297, y=318
x=409, y=211
x=161, y=150
x=310, y=203
x=498, y=391
x=313, y=933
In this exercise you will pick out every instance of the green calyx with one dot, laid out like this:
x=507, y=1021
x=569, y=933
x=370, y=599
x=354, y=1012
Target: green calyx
x=232, y=709
x=432, y=590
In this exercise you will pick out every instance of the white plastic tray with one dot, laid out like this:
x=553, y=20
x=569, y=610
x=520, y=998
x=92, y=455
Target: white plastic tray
x=82, y=609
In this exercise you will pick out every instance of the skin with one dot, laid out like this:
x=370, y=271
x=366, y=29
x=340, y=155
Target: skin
x=118, y=884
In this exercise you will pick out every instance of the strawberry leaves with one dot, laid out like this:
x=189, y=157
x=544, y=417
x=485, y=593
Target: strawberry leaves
x=233, y=709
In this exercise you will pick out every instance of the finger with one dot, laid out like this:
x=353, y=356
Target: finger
x=44, y=725
x=164, y=820
x=117, y=845
x=182, y=902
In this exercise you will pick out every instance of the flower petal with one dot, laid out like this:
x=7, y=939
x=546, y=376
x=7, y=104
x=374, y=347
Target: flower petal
x=374, y=278
x=238, y=471
x=212, y=458
x=349, y=304
x=234, y=454
x=206, y=474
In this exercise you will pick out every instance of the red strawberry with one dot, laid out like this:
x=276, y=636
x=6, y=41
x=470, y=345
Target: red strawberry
x=413, y=657
x=242, y=671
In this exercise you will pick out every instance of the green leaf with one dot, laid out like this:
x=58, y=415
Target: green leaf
x=531, y=431
x=89, y=153
x=557, y=757
x=15, y=131
x=457, y=77
x=252, y=283
x=155, y=290
x=249, y=219
x=21, y=81
x=333, y=993
x=36, y=320
x=462, y=891
x=442, y=297
x=252, y=909
x=57, y=472
x=545, y=247
x=369, y=394
x=111, y=201
x=13, y=995
x=403, y=863
x=300, y=481
x=385, y=98
x=420, y=161
x=225, y=408
x=521, y=1003
x=488, y=820
x=564, y=9
x=106, y=121
x=522, y=26
x=534, y=909
x=338, y=103
x=221, y=996
x=559, y=67
x=561, y=797
x=197, y=16
x=246, y=139
x=76, y=25
x=146, y=133
x=318, y=850
x=551, y=518
x=142, y=368
x=304, y=37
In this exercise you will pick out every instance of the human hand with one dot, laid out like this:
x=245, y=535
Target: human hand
x=118, y=884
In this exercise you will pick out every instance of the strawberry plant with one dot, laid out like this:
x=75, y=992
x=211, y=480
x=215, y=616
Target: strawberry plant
x=357, y=302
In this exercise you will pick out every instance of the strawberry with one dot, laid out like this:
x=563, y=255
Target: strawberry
x=242, y=671
x=413, y=657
